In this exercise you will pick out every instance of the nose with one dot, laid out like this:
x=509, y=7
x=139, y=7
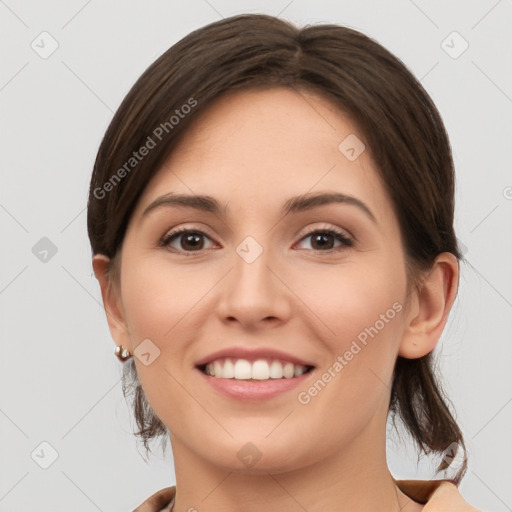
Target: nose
x=255, y=292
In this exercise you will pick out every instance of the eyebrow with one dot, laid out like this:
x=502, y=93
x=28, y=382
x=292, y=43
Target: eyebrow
x=294, y=204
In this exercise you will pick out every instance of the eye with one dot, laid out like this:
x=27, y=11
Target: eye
x=323, y=239
x=190, y=243
x=192, y=240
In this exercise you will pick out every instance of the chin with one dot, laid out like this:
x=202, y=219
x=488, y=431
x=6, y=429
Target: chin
x=259, y=456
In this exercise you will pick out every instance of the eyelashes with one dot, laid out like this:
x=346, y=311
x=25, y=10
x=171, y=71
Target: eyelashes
x=319, y=235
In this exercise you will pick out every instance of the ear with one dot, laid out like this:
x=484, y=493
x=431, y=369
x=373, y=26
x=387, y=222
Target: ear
x=111, y=302
x=429, y=308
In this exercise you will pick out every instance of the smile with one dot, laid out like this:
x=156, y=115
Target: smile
x=260, y=369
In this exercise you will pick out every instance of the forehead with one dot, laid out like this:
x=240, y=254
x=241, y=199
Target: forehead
x=262, y=146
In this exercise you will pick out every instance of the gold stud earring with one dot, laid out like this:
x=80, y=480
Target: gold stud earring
x=122, y=353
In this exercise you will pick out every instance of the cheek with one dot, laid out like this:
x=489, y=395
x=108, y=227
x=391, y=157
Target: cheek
x=364, y=320
x=350, y=309
x=160, y=304
x=347, y=300
x=361, y=312
x=355, y=300
x=156, y=298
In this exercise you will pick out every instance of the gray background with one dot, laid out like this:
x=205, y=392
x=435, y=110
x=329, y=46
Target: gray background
x=59, y=380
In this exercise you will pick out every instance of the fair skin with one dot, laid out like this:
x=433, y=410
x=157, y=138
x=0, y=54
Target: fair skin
x=252, y=151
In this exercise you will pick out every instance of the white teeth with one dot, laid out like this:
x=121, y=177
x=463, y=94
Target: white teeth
x=260, y=370
x=288, y=370
x=229, y=369
x=298, y=371
x=276, y=370
x=242, y=369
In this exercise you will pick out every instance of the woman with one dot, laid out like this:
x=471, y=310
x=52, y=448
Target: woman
x=271, y=219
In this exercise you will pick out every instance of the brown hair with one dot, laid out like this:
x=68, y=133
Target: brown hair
x=400, y=124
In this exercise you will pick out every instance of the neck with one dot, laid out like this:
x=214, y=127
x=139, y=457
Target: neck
x=354, y=479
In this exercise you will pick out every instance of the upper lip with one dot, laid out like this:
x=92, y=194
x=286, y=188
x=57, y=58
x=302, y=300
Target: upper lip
x=251, y=355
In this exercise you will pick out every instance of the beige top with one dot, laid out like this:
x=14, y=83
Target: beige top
x=436, y=495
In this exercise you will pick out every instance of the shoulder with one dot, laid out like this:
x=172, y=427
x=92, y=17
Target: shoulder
x=160, y=501
x=436, y=495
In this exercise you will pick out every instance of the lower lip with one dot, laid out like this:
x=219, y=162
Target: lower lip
x=253, y=390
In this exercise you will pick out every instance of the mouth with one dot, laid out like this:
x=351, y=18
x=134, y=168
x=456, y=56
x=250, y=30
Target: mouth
x=257, y=370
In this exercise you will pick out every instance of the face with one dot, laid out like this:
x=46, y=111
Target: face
x=323, y=284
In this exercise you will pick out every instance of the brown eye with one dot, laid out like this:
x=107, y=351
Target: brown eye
x=188, y=240
x=323, y=240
